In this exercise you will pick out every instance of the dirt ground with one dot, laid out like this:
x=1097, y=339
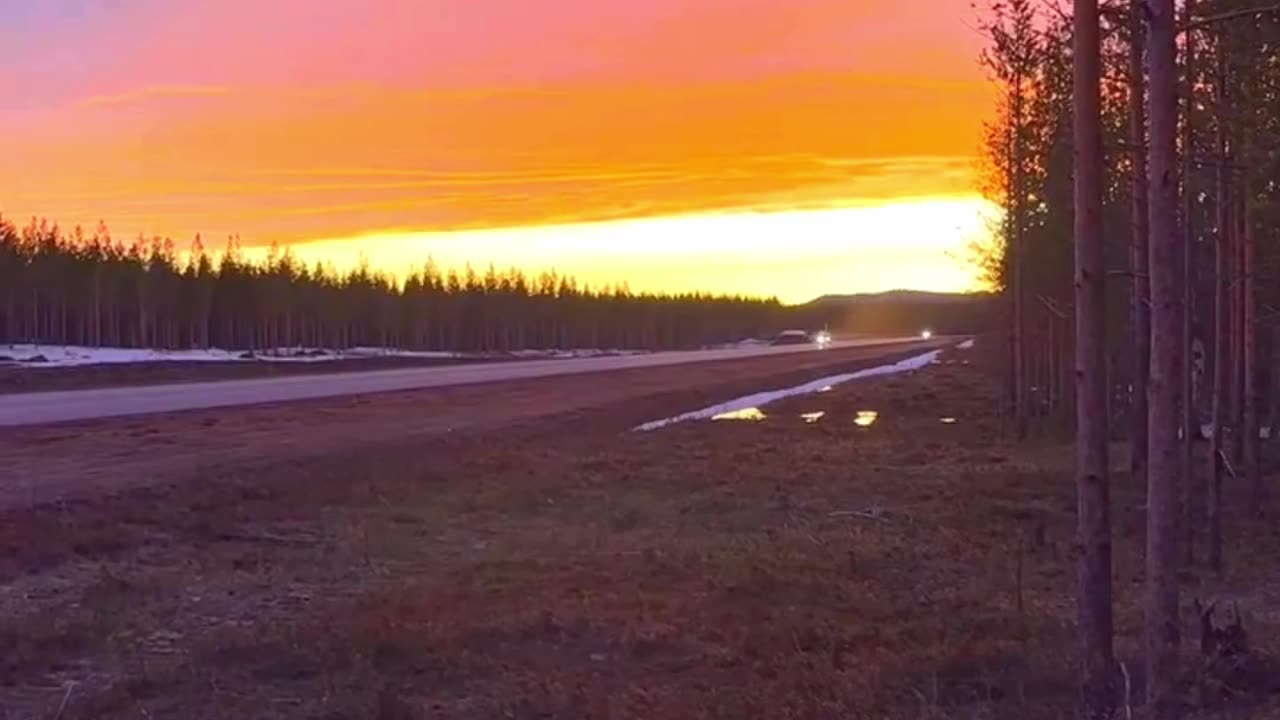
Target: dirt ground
x=565, y=567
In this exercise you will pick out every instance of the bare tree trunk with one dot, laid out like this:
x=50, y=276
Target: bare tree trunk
x=1221, y=330
x=1164, y=461
x=1138, y=253
x=1190, y=413
x=1250, y=361
x=1092, y=483
x=1237, y=328
x=1052, y=380
x=1018, y=321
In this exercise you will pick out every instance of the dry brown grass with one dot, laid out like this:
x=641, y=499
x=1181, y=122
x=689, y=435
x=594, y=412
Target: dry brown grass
x=570, y=569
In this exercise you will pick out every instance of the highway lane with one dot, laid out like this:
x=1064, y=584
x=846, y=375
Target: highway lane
x=62, y=406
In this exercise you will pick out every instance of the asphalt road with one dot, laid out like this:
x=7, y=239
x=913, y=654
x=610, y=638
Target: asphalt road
x=62, y=406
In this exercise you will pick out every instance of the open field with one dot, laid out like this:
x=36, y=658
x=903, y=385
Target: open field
x=536, y=565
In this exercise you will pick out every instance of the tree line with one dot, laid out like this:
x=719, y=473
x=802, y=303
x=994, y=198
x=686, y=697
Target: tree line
x=1136, y=154
x=77, y=288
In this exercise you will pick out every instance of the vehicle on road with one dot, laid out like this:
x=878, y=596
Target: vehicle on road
x=791, y=337
x=821, y=338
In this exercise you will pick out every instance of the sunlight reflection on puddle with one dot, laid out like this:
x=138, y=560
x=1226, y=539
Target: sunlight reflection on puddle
x=813, y=417
x=947, y=421
x=750, y=413
x=866, y=418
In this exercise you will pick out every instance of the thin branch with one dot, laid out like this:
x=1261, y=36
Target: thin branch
x=1227, y=463
x=1052, y=306
x=1126, y=146
x=1064, y=17
x=1128, y=692
x=66, y=698
x=875, y=513
x=1272, y=314
x=1208, y=20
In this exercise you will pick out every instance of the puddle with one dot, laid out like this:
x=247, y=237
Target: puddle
x=757, y=400
x=813, y=417
x=751, y=414
x=866, y=418
x=947, y=421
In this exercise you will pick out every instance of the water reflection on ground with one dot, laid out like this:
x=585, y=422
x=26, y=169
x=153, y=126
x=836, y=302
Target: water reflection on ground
x=866, y=418
x=813, y=417
x=750, y=414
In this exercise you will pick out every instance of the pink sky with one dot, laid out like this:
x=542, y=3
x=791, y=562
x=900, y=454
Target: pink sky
x=291, y=121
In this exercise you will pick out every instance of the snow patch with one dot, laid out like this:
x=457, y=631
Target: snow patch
x=26, y=355
x=363, y=352
x=764, y=398
x=568, y=354
x=72, y=356
x=743, y=344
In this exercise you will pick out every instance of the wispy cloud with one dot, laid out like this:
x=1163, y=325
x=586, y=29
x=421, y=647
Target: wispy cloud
x=154, y=93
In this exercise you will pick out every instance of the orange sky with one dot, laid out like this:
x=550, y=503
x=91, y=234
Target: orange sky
x=788, y=147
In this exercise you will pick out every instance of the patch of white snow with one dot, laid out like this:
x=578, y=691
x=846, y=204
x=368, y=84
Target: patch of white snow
x=37, y=356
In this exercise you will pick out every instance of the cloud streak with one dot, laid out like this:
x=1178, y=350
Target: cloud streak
x=154, y=93
x=291, y=120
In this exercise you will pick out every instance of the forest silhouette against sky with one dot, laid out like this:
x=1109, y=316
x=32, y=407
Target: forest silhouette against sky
x=477, y=131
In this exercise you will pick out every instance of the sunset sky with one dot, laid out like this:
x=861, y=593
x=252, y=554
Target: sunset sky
x=788, y=147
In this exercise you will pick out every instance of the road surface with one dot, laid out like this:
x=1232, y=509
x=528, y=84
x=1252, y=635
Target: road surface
x=62, y=406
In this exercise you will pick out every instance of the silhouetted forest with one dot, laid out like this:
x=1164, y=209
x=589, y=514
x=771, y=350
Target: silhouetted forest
x=1136, y=154
x=1225, y=186
x=76, y=288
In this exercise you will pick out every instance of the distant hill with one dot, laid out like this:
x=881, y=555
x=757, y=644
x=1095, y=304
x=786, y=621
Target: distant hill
x=901, y=312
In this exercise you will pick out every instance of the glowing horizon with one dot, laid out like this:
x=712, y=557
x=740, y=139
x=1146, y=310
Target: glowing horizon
x=659, y=247
x=487, y=132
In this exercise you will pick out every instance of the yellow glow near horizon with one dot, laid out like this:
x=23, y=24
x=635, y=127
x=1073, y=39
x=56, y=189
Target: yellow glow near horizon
x=917, y=244
x=770, y=147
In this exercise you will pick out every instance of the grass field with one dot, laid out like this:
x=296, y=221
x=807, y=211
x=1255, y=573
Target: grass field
x=569, y=568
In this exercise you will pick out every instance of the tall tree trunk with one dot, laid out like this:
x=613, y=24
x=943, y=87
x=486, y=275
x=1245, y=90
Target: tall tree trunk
x=1092, y=483
x=1138, y=253
x=1221, y=328
x=1190, y=412
x=1249, y=434
x=1237, y=327
x=1022, y=400
x=1164, y=461
x=1052, y=380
